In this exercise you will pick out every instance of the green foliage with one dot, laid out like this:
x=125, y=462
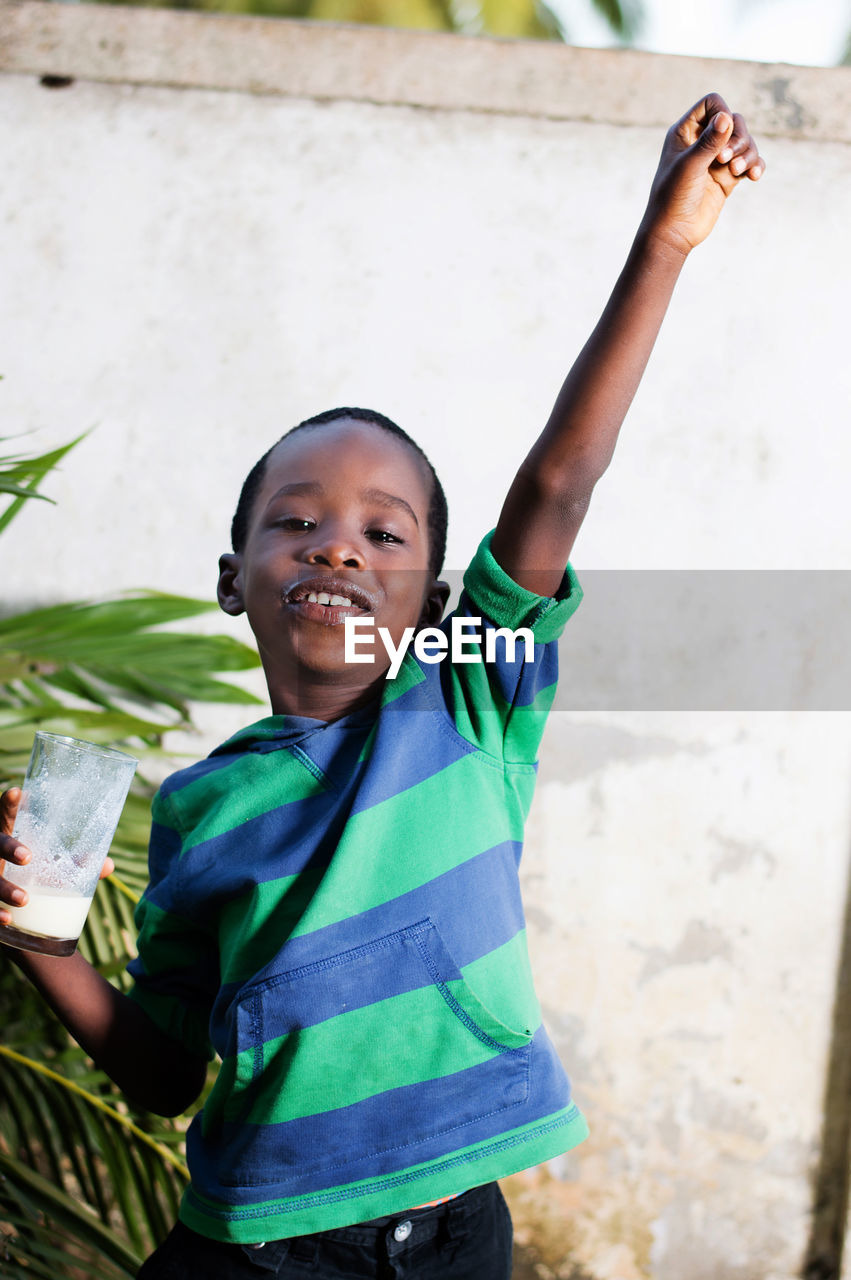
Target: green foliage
x=100, y=668
x=89, y=1182
x=20, y=477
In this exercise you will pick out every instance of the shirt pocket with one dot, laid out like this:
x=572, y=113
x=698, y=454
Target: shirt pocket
x=368, y=1060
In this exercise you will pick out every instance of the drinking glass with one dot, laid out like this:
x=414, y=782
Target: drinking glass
x=72, y=798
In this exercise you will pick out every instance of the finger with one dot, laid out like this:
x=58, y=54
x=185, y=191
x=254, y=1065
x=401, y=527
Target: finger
x=740, y=140
x=714, y=138
x=6, y=916
x=741, y=157
x=12, y=850
x=9, y=802
x=740, y=165
x=704, y=110
x=741, y=151
x=749, y=163
x=11, y=894
x=693, y=123
x=712, y=104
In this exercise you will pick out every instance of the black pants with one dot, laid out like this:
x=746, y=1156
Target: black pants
x=466, y=1239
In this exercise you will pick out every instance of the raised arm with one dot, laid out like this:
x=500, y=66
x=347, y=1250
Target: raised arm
x=151, y=1068
x=705, y=155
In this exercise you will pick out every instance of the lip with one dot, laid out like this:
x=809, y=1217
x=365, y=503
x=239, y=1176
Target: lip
x=295, y=598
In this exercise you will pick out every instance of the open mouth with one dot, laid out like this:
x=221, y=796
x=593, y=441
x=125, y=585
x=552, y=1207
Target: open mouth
x=329, y=600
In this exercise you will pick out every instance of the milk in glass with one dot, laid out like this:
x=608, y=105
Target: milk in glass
x=71, y=801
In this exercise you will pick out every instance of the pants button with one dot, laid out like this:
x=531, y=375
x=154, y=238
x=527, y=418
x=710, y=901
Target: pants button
x=402, y=1231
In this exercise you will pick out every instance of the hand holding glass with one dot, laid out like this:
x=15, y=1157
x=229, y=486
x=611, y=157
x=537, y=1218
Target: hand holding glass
x=73, y=794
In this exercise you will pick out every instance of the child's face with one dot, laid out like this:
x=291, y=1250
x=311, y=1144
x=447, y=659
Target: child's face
x=342, y=510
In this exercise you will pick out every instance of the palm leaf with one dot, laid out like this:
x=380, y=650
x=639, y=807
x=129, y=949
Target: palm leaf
x=102, y=1158
x=62, y=1089
x=108, y=654
x=51, y=1227
x=20, y=477
x=89, y=1183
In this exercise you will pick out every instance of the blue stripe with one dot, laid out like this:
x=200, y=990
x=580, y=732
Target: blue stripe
x=164, y=853
x=293, y=838
x=397, y=764
x=303, y=833
x=528, y=683
x=335, y=751
x=364, y=975
x=388, y=966
x=311, y=1154
x=282, y=842
x=518, y=682
x=183, y=777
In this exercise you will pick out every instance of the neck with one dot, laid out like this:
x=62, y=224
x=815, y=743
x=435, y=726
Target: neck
x=321, y=701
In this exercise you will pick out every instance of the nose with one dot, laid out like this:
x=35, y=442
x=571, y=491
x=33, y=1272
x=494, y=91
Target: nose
x=335, y=551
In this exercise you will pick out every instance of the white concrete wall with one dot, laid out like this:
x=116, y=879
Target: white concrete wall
x=225, y=225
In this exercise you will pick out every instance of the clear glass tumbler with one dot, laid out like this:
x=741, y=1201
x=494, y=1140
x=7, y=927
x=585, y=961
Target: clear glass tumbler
x=73, y=794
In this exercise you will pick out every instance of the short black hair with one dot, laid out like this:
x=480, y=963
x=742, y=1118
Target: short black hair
x=438, y=512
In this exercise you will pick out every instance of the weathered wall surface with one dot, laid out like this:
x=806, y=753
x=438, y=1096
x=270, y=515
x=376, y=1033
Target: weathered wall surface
x=224, y=225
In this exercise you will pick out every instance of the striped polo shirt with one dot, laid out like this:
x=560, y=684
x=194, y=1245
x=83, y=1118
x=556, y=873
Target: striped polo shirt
x=334, y=909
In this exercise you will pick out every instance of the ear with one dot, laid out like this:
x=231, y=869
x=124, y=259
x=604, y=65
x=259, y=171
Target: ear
x=434, y=604
x=229, y=590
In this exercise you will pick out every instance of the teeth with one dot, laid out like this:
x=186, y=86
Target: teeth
x=322, y=597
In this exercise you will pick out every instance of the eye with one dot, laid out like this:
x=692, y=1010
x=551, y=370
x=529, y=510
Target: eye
x=296, y=524
x=383, y=536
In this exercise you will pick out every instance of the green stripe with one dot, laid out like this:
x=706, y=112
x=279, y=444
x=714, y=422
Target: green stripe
x=526, y=726
x=507, y=970
x=478, y=708
x=410, y=675
x=483, y=717
x=177, y=940
x=499, y=597
x=403, y=1040
x=171, y=946
x=220, y=802
x=357, y=880
x=185, y=1024
x=253, y=927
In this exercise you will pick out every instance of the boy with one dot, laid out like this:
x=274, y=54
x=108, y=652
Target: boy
x=333, y=903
